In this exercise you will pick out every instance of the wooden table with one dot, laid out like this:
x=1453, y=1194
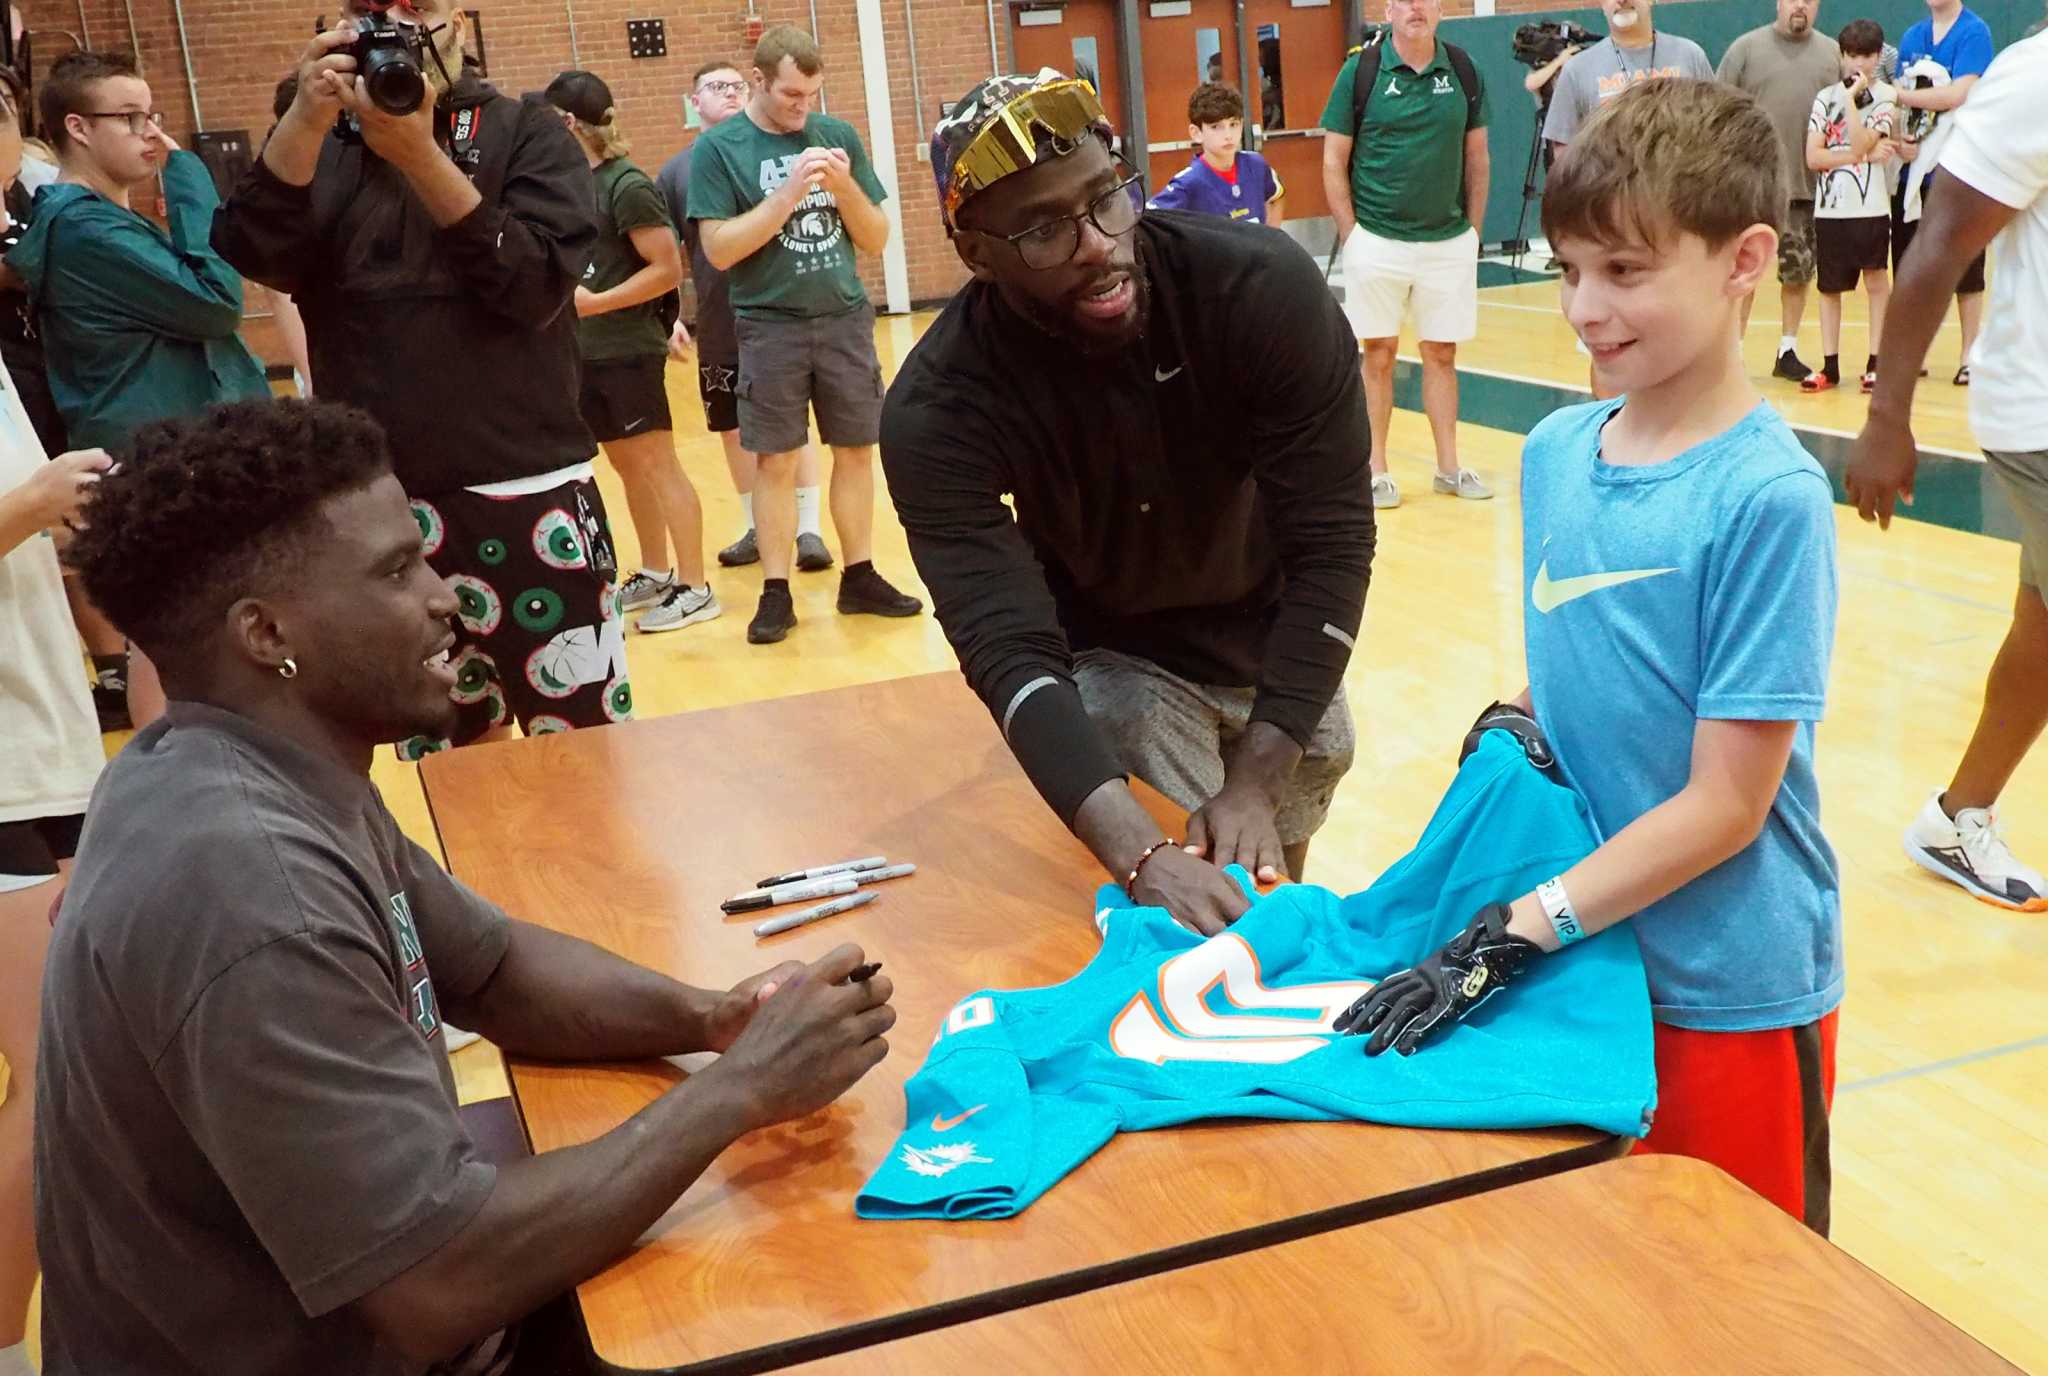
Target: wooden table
x=630, y=836
x=1652, y=1264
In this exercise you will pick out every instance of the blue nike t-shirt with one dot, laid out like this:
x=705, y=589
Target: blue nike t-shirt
x=1662, y=594
x=1965, y=50
x=1200, y=187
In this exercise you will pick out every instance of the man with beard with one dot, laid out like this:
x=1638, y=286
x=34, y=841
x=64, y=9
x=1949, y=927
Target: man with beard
x=1785, y=65
x=248, y=1156
x=434, y=256
x=1173, y=402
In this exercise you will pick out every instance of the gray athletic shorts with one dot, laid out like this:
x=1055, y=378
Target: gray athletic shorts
x=1172, y=734
x=789, y=368
x=2025, y=476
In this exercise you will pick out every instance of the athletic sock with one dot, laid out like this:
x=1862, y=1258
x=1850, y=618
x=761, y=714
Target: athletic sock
x=747, y=508
x=1871, y=366
x=771, y=586
x=1831, y=368
x=807, y=511
x=658, y=575
x=1787, y=344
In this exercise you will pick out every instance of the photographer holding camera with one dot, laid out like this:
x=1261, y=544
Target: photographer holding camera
x=433, y=232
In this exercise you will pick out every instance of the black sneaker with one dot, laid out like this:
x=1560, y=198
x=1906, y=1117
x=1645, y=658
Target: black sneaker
x=811, y=554
x=773, y=618
x=869, y=592
x=1790, y=368
x=744, y=550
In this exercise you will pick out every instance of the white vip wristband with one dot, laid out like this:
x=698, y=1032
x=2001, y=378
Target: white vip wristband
x=1557, y=906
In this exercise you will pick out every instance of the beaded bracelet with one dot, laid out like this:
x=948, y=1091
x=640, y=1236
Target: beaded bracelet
x=1131, y=879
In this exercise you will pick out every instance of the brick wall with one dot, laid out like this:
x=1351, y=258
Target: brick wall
x=241, y=47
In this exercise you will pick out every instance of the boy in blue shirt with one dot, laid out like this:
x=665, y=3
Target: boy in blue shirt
x=1679, y=551
x=1940, y=59
x=1221, y=180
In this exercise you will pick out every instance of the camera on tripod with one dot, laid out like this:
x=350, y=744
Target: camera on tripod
x=388, y=55
x=1538, y=44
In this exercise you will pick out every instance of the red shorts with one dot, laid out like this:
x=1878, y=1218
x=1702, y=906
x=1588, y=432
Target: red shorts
x=1755, y=1104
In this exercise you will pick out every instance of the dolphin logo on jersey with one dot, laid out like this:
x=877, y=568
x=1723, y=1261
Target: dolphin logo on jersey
x=937, y=1161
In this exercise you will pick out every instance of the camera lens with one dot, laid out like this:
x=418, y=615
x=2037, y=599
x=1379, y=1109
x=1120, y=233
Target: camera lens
x=392, y=78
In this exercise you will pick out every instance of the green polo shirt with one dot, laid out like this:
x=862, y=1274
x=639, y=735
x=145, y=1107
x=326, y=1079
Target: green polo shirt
x=1408, y=167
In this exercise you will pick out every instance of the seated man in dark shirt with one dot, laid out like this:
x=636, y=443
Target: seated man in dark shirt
x=247, y=1152
x=1172, y=401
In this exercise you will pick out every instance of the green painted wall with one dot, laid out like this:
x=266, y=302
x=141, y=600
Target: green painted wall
x=1713, y=24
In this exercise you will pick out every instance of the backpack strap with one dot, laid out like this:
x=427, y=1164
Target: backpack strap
x=1468, y=79
x=1363, y=79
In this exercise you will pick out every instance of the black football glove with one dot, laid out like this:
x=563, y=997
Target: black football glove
x=1405, y=1009
x=1504, y=716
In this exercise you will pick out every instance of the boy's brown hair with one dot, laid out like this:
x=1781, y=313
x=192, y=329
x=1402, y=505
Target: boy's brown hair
x=786, y=40
x=68, y=89
x=1672, y=155
x=719, y=64
x=1860, y=38
x=1213, y=102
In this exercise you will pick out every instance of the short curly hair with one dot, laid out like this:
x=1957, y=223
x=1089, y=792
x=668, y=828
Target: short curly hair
x=203, y=510
x=1213, y=102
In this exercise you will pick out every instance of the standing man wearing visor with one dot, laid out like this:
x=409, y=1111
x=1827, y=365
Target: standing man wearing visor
x=1173, y=402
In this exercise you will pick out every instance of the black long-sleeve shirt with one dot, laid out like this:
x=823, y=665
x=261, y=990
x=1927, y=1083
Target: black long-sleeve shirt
x=1200, y=500
x=460, y=341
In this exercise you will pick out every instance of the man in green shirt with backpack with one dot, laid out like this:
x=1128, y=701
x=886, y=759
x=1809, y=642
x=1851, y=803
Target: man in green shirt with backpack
x=1405, y=164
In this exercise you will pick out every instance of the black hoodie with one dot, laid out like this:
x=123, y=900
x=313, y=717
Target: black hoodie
x=460, y=341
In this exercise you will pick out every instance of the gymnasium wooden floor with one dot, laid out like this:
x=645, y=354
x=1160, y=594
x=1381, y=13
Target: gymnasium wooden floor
x=1941, y=1119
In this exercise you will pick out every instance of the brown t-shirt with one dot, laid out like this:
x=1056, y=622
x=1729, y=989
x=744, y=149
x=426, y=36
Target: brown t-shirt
x=245, y=1118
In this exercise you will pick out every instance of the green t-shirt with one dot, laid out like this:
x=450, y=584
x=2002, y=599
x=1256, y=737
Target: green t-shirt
x=1408, y=163
x=626, y=200
x=807, y=269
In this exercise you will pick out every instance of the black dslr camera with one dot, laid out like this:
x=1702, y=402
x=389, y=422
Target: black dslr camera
x=1538, y=44
x=388, y=54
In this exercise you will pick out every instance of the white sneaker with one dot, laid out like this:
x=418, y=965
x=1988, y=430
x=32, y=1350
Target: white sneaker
x=1466, y=484
x=644, y=589
x=1385, y=495
x=685, y=606
x=1970, y=853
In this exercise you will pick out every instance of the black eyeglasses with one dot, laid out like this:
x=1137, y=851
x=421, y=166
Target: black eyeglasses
x=138, y=120
x=725, y=88
x=1049, y=245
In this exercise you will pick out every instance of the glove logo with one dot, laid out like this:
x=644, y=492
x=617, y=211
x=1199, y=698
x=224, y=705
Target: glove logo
x=1474, y=982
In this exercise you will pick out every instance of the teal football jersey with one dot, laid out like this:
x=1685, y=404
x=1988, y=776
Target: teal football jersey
x=1165, y=1027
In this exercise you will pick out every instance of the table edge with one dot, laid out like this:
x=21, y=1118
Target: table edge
x=945, y=1314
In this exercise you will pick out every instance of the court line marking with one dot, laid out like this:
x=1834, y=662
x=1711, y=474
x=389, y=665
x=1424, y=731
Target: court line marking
x=1957, y=598
x=1935, y=1067
x=1580, y=388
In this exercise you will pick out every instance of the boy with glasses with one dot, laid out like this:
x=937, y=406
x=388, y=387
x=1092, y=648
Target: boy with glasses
x=1177, y=590
x=139, y=323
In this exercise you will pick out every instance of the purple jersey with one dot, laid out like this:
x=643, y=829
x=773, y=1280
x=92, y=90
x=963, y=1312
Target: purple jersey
x=1200, y=187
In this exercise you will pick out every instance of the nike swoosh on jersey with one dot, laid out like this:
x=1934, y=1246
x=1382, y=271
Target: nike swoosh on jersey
x=1547, y=594
x=1160, y=376
x=948, y=1124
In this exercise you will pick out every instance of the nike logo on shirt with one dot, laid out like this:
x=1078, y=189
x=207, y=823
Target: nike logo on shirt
x=1546, y=594
x=948, y=1124
x=1166, y=375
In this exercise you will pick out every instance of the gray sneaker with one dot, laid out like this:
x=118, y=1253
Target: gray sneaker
x=685, y=606
x=1466, y=484
x=744, y=550
x=643, y=590
x=1385, y=495
x=811, y=554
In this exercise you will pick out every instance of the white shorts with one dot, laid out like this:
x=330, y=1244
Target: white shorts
x=1382, y=275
